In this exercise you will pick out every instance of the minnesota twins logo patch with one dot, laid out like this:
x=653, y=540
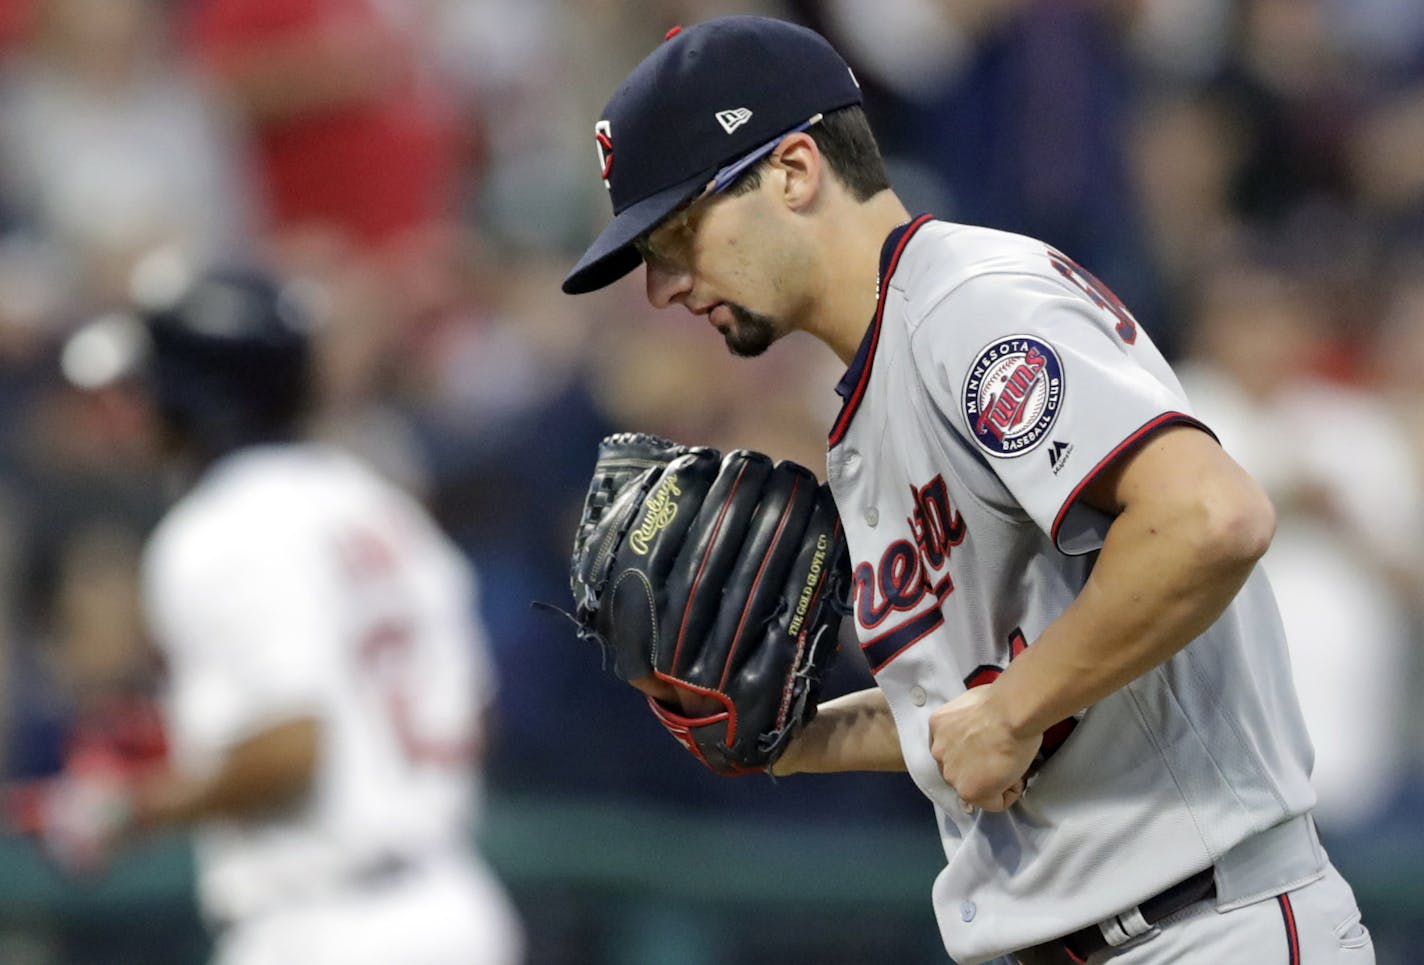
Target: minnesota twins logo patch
x=1012, y=394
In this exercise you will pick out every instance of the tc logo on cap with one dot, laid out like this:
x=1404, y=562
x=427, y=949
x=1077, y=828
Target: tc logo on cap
x=733, y=119
x=603, y=139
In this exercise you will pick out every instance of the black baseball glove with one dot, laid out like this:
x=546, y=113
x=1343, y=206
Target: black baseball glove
x=722, y=577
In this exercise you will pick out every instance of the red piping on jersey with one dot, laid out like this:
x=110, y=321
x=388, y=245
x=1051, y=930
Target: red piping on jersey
x=1292, y=937
x=1166, y=418
x=852, y=403
x=917, y=628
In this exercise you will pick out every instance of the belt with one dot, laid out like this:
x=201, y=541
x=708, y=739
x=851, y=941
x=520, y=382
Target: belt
x=1118, y=929
x=384, y=870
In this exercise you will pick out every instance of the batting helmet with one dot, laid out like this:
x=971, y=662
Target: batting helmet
x=225, y=357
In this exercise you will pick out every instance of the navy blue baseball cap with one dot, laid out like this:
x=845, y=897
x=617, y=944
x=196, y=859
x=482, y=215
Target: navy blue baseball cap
x=709, y=99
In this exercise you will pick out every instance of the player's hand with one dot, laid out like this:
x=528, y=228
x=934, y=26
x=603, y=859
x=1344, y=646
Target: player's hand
x=977, y=754
x=83, y=817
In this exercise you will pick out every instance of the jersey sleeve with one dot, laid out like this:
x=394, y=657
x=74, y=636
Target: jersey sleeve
x=240, y=621
x=1047, y=383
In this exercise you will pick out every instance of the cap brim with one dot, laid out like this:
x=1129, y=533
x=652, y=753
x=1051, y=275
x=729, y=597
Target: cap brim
x=611, y=256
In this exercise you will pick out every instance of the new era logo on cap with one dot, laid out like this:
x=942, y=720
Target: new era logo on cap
x=733, y=119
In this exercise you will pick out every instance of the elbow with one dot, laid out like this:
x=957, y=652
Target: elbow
x=1239, y=526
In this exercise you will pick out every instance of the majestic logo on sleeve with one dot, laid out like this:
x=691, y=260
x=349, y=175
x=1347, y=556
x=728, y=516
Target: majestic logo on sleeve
x=1012, y=394
x=603, y=139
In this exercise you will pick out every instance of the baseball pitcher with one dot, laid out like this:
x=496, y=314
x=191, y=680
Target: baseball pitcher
x=1052, y=562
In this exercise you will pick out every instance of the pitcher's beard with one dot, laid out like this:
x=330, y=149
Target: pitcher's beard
x=752, y=335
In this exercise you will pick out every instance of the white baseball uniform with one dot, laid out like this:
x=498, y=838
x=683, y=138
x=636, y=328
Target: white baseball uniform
x=996, y=378
x=293, y=582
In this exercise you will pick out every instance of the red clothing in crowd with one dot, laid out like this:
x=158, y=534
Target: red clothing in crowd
x=16, y=19
x=348, y=135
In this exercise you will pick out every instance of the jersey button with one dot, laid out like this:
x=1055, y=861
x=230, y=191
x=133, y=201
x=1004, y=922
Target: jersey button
x=872, y=516
x=917, y=696
x=852, y=462
x=967, y=910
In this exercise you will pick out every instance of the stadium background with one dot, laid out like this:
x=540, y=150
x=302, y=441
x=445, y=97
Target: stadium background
x=1247, y=174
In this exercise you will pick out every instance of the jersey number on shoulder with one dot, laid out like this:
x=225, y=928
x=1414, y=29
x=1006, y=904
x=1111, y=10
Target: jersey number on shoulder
x=1096, y=292
x=387, y=657
x=1054, y=737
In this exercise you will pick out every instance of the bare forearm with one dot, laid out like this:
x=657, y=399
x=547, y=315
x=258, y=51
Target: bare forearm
x=1188, y=527
x=854, y=732
x=1157, y=585
x=257, y=775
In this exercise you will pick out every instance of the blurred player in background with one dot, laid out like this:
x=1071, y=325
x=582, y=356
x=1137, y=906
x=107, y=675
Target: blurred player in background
x=327, y=678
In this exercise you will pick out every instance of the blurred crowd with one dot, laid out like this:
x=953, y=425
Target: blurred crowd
x=1247, y=174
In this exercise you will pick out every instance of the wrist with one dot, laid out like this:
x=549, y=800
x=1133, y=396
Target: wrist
x=792, y=759
x=1019, y=705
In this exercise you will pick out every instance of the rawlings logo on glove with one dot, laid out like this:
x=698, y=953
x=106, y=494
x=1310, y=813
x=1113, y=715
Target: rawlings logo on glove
x=718, y=583
x=659, y=512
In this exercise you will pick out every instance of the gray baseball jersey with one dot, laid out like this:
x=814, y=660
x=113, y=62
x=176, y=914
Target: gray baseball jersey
x=995, y=380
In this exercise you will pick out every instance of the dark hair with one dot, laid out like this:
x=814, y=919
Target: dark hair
x=848, y=145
